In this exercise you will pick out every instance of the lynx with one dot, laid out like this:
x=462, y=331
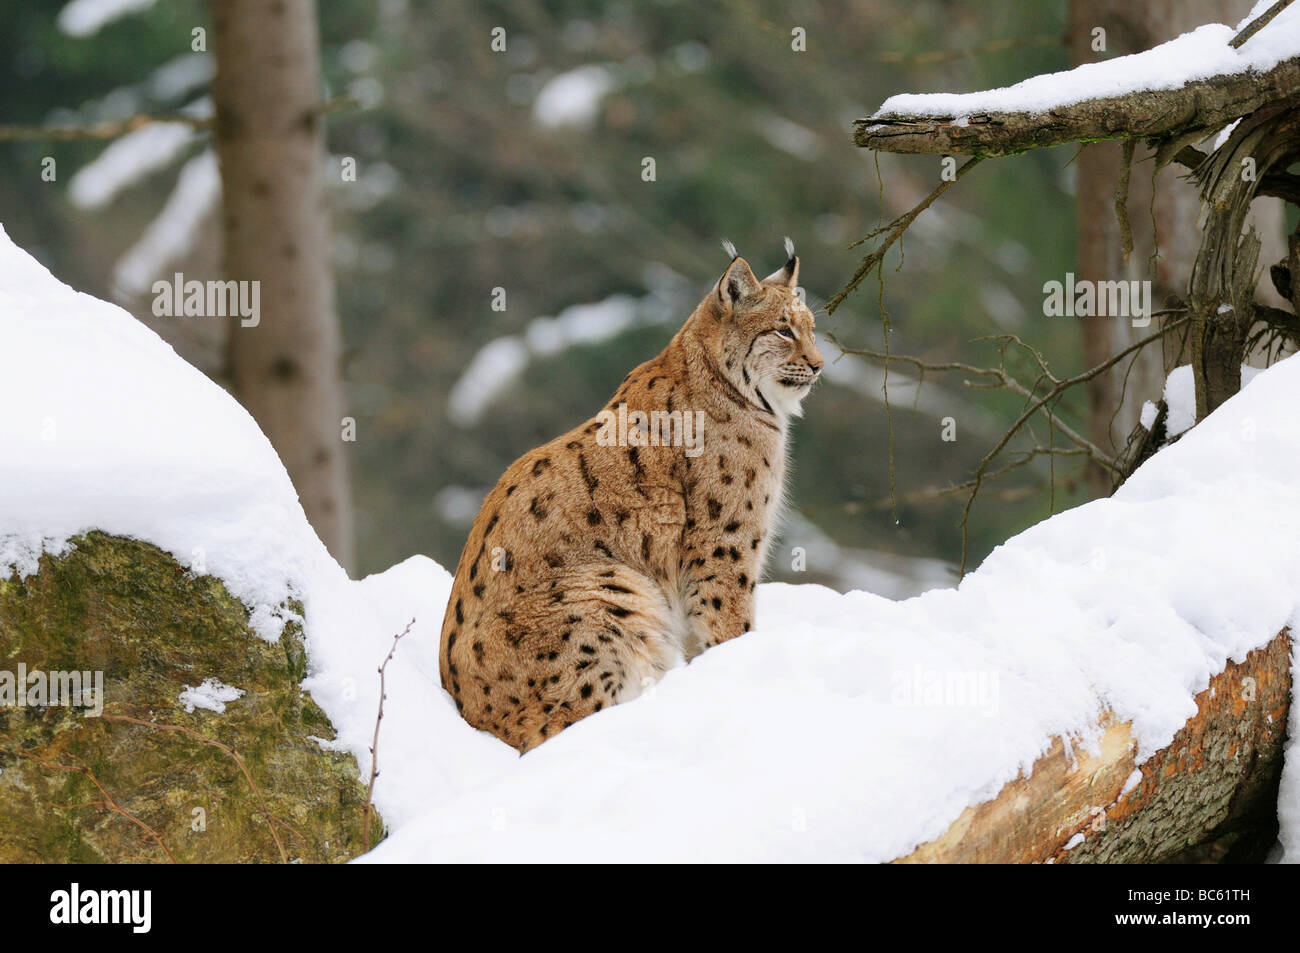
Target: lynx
x=635, y=541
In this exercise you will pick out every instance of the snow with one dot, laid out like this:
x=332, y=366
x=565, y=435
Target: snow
x=84, y=18
x=842, y=729
x=500, y=362
x=127, y=160
x=488, y=375
x=788, y=136
x=1223, y=135
x=1180, y=396
x=110, y=429
x=572, y=99
x=1132, y=781
x=211, y=695
x=181, y=75
x=1200, y=54
x=1149, y=414
x=172, y=233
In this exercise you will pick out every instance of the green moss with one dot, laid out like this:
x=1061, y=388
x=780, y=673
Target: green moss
x=130, y=610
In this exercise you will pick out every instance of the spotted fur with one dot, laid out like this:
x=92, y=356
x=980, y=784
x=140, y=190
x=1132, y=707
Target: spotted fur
x=592, y=569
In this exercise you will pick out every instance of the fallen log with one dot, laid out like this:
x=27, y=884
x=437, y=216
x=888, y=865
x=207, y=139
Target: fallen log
x=1211, y=794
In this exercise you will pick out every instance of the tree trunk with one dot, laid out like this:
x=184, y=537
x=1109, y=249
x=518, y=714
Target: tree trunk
x=1114, y=404
x=285, y=369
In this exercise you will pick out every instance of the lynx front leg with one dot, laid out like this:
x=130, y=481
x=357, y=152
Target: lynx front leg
x=720, y=594
x=727, y=522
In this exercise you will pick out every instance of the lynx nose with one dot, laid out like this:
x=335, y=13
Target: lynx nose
x=815, y=364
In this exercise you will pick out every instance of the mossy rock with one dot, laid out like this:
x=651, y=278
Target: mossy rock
x=76, y=788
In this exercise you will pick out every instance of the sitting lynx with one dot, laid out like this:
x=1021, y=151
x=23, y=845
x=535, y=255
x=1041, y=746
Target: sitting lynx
x=634, y=541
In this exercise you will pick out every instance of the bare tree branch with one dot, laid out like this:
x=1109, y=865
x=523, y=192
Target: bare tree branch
x=892, y=232
x=999, y=377
x=112, y=129
x=1257, y=24
x=933, y=494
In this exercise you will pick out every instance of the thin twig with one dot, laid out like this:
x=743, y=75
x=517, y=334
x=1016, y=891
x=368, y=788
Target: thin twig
x=374, y=745
x=1257, y=24
x=999, y=377
x=893, y=232
x=113, y=128
x=934, y=494
x=1058, y=389
x=1121, y=199
x=109, y=129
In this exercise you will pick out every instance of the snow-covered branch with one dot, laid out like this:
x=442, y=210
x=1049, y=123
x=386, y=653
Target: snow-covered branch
x=1197, y=83
x=1203, y=106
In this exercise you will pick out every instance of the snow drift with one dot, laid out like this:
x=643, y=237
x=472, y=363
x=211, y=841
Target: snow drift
x=846, y=728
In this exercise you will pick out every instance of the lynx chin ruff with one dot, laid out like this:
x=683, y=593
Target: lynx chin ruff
x=636, y=540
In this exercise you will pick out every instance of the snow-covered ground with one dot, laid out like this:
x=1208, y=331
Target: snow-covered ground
x=1200, y=54
x=847, y=727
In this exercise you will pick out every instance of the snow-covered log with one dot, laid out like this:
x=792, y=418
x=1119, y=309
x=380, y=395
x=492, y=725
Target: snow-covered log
x=1204, y=106
x=1193, y=85
x=1209, y=794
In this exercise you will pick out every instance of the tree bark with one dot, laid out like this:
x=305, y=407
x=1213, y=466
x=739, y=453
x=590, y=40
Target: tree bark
x=286, y=368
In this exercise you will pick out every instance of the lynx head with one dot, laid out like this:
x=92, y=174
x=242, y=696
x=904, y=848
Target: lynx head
x=760, y=334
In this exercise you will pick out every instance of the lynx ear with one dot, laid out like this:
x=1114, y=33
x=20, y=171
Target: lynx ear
x=788, y=275
x=737, y=284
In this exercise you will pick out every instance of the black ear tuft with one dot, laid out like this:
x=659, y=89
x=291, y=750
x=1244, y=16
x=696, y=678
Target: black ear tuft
x=730, y=249
x=787, y=275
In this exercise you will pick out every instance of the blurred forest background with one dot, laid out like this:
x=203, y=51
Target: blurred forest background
x=522, y=170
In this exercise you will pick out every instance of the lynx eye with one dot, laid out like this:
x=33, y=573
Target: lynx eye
x=785, y=333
